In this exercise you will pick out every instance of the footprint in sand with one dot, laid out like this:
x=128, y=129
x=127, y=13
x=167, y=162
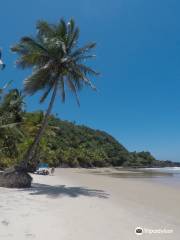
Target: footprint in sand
x=5, y=222
x=30, y=235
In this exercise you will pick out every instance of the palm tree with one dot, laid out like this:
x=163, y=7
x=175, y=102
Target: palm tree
x=57, y=63
x=13, y=105
x=10, y=121
x=11, y=110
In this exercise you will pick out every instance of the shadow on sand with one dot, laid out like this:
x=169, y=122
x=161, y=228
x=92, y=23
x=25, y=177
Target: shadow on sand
x=63, y=190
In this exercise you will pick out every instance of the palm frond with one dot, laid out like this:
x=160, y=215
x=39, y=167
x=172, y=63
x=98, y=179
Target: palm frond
x=31, y=53
x=13, y=128
x=88, y=82
x=29, y=60
x=73, y=89
x=83, y=57
x=87, y=70
x=70, y=26
x=10, y=125
x=72, y=36
x=30, y=42
x=38, y=81
x=45, y=29
x=62, y=89
x=84, y=49
x=53, y=54
x=46, y=93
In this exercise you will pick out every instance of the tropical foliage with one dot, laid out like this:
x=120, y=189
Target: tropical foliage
x=10, y=119
x=63, y=144
x=58, y=65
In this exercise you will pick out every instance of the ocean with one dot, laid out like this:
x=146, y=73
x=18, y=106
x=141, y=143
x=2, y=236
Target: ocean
x=167, y=175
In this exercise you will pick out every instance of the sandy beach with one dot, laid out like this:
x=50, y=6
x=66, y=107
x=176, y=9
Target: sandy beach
x=79, y=204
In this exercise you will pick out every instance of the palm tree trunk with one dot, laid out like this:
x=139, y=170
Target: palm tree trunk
x=30, y=153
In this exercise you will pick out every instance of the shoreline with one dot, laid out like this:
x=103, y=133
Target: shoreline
x=79, y=204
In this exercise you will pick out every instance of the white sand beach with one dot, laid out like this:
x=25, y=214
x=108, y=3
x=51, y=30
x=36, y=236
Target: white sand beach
x=77, y=204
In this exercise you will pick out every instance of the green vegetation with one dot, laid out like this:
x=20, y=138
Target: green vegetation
x=58, y=64
x=63, y=143
x=10, y=119
x=29, y=138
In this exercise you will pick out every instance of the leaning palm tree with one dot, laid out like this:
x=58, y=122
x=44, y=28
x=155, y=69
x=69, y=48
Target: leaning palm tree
x=58, y=65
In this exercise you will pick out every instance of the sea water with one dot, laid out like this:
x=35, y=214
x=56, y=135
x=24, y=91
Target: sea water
x=171, y=175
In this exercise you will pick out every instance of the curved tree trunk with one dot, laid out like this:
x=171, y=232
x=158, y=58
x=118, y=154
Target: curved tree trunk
x=17, y=177
x=31, y=151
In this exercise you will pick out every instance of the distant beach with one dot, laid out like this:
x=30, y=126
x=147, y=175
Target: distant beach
x=98, y=204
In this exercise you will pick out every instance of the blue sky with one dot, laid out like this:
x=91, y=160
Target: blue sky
x=138, y=55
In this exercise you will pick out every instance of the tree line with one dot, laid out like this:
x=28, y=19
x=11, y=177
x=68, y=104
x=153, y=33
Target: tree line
x=64, y=144
x=58, y=64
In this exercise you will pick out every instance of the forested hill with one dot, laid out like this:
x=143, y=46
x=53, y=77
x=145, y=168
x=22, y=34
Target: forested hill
x=66, y=144
x=63, y=144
